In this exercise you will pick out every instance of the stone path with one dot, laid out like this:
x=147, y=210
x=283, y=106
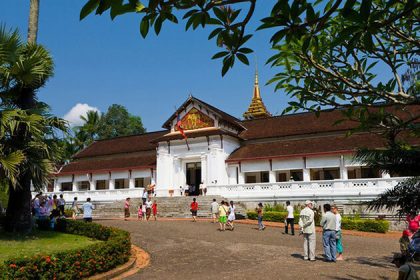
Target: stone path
x=187, y=250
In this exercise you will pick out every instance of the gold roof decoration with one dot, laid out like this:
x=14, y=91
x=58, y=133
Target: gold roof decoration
x=256, y=109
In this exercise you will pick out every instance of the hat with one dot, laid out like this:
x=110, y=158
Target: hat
x=406, y=233
x=308, y=202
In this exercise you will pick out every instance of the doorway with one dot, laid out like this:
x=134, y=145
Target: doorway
x=194, y=177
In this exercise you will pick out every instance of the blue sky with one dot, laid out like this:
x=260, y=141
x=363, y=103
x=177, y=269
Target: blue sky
x=100, y=62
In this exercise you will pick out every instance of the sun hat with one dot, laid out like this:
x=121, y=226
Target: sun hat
x=308, y=202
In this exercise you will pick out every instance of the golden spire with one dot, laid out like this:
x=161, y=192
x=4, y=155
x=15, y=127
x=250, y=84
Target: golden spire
x=257, y=108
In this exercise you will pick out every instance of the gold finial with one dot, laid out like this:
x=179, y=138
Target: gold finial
x=257, y=108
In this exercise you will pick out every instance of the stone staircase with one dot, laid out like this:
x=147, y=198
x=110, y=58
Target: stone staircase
x=177, y=207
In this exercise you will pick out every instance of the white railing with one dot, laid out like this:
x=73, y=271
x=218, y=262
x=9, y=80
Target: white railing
x=100, y=195
x=355, y=189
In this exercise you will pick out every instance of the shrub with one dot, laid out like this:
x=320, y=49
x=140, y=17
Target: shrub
x=276, y=207
x=74, y=264
x=367, y=225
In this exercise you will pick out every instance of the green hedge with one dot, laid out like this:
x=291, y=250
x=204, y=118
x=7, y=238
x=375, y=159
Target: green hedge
x=74, y=264
x=380, y=226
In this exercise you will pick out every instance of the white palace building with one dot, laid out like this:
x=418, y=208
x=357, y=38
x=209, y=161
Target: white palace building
x=261, y=158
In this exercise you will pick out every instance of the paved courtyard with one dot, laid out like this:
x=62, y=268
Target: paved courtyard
x=187, y=250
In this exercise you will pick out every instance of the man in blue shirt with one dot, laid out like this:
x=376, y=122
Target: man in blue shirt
x=87, y=210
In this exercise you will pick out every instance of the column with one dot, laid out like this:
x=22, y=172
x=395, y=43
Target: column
x=111, y=184
x=272, y=176
x=57, y=186
x=385, y=175
x=306, y=174
x=241, y=178
x=204, y=169
x=74, y=188
x=343, y=169
x=92, y=185
x=131, y=183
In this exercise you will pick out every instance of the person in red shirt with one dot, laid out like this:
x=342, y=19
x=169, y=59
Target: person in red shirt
x=154, y=210
x=413, y=222
x=194, y=209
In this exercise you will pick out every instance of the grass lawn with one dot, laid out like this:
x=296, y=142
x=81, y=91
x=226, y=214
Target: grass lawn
x=45, y=242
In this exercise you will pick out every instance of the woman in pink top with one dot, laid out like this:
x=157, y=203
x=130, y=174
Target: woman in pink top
x=413, y=222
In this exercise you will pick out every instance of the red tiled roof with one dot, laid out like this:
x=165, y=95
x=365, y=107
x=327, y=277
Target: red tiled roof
x=194, y=134
x=145, y=159
x=308, y=146
x=119, y=145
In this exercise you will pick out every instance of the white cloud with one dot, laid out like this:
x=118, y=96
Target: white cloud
x=73, y=116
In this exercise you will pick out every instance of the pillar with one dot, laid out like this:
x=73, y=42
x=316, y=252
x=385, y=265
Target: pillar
x=241, y=177
x=74, y=186
x=131, y=183
x=385, y=175
x=204, y=169
x=343, y=169
x=112, y=184
x=306, y=174
x=272, y=176
x=57, y=186
x=92, y=186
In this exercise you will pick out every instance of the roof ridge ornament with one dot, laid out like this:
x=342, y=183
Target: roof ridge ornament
x=257, y=108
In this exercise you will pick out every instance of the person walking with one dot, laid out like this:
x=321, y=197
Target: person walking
x=187, y=190
x=307, y=229
x=223, y=210
x=61, y=205
x=143, y=209
x=194, y=209
x=154, y=210
x=260, y=212
x=148, y=208
x=127, y=209
x=290, y=220
x=88, y=207
x=338, y=233
x=37, y=205
x=75, y=209
x=329, y=225
x=214, y=210
x=144, y=196
x=140, y=212
x=231, y=217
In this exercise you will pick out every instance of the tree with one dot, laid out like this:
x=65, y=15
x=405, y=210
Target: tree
x=117, y=121
x=33, y=21
x=25, y=68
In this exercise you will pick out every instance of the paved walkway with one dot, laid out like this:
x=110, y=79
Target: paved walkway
x=187, y=250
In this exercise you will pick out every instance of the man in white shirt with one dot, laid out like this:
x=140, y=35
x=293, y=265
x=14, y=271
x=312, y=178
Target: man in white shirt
x=87, y=210
x=307, y=228
x=290, y=220
x=214, y=210
x=338, y=234
x=145, y=195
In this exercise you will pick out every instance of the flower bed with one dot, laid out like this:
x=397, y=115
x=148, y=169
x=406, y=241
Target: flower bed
x=366, y=225
x=74, y=264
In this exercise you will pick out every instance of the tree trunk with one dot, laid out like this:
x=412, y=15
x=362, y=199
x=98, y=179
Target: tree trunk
x=18, y=215
x=33, y=21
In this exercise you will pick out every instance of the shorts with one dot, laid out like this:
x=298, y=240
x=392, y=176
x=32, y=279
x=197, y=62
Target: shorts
x=194, y=213
x=88, y=220
x=223, y=219
x=126, y=212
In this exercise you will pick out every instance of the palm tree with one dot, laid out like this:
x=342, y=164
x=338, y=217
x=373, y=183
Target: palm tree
x=25, y=68
x=33, y=21
x=89, y=130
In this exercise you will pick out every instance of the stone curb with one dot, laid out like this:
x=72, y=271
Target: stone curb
x=139, y=259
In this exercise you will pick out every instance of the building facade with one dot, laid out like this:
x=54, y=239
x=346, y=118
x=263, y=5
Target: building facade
x=262, y=158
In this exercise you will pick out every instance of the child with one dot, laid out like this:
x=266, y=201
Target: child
x=404, y=242
x=143, y=209
x=140, y=213
x=154, y=210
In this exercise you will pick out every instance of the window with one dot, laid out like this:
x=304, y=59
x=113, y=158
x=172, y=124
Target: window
x=265, y=178
x=297, y=175
x=251, y=179
x=121, y=184
x=368, y=172
x=351, y=174
x=331, y=173
x=101, y=185
x=139, y=183
x=282, y=177
x=84, y=185
x=66, y=187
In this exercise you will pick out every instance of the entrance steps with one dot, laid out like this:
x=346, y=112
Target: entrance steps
x=177, y=207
